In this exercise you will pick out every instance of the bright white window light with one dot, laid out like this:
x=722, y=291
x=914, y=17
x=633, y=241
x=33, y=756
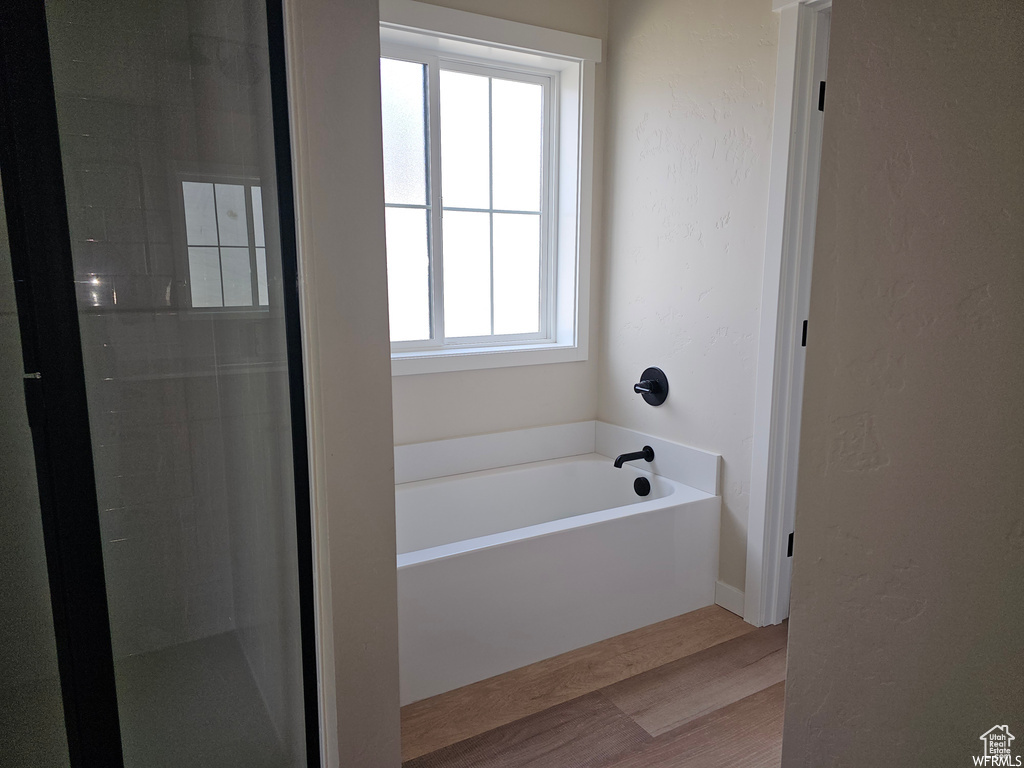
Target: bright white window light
x=465, y=140
x=403, y=106
x=516, y=266
x=408, y=273
x=518, y=115
x=467, y=285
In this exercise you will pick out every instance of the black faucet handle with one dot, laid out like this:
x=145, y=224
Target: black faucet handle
x=653, y=386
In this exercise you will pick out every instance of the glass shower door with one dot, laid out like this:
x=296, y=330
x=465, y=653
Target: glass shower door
x=167, y=141
x=31, y=711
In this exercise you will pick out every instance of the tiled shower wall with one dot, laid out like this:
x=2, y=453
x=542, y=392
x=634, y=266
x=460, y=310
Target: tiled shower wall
x=188, y=407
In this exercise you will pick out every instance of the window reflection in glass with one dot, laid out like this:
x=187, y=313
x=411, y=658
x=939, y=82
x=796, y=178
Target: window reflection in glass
x=221, y=259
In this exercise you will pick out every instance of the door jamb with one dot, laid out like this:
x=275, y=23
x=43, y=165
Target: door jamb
x=792, y=193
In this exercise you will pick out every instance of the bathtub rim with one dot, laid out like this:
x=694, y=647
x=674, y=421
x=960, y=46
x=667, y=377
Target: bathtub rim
x=680, y=495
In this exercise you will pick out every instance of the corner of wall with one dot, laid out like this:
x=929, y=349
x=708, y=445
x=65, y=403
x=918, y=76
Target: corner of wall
x=685, y=212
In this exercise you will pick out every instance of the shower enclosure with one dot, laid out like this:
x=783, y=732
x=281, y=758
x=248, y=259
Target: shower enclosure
x=155, y=537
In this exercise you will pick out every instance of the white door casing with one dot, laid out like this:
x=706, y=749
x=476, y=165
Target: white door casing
x=789, y=245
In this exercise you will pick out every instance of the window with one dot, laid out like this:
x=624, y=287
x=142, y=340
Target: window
x=494, y=203
x=227, y=254
x=485, y=199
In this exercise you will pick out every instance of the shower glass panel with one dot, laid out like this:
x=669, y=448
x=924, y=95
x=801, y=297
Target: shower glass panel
x=167, y=142
x=31, y=710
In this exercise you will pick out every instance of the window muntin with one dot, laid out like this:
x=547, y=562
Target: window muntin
x=226, y=243
x=471, y=242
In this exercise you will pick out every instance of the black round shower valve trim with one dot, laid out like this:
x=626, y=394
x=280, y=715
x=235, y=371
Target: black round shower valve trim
x=653, y=386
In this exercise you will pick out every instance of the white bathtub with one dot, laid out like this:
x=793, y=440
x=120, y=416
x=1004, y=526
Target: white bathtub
x=504, y=567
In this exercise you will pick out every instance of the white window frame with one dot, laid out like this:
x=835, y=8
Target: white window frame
x=452, y=39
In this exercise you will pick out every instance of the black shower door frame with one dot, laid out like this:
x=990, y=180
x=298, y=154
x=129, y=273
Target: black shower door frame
x=55, y=389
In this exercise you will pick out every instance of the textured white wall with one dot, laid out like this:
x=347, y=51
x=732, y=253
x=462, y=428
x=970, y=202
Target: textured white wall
x=906, y=626
x=691, y=89
x=440, y=405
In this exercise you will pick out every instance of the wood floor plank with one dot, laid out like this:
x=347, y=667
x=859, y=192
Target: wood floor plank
x=747, y=733
x=684, y=690
x=589, y=731
x=451, y=717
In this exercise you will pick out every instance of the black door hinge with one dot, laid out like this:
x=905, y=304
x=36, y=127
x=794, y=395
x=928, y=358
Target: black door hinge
x=821, y=96
x=789, y=549
x=803, y=338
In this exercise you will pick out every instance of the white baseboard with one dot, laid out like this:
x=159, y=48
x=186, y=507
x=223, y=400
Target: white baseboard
x=729, y=598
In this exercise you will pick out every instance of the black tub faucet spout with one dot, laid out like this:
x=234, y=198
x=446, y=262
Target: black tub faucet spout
x=647, y=454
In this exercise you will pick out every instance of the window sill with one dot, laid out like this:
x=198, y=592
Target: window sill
x=478, y=358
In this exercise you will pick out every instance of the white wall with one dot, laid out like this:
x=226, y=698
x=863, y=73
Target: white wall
x=440, y=405
x=906, y=627
x=691, y=89
x=334, y=51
